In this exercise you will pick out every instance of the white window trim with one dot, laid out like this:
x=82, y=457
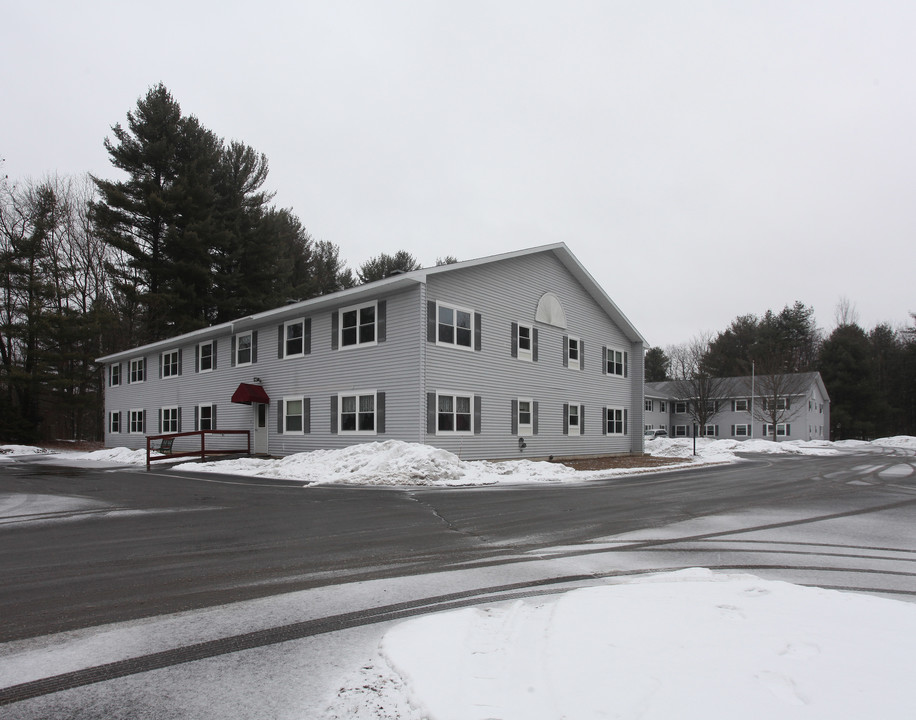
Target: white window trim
x=286, y=326
x=170, y=408
x=162, y=357
x=456, y=309
x=768, y=430
x=648, y=405
x=340, y=326
x=577, y=363
x=200, y=415
x=200, y=356
x=747, y=430
x=526, y=355
x=238, y=348
x=130, y=422
x=569, y=413
x=453, y=395
x=663, y=406
x=357, y=394
x=677, y=404
x=286, y=401
x=706, y=432
x=623, y=428
x=111, y=416
x=130, y=366
x=675, y=431
x=523, y=428
x=114, y=375
x=741, y=409
x=611, y=361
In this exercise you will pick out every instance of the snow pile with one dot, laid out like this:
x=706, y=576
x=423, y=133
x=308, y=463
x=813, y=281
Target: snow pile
x=712, y=450
x=687, y=645
x=122, y=455
x=391, y=462
x=901, y=441
x=10, y=451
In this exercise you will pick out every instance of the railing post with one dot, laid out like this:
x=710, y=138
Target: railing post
x=147, y=453
x=203, y=445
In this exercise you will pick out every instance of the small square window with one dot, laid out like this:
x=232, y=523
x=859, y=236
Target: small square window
x=741, y=405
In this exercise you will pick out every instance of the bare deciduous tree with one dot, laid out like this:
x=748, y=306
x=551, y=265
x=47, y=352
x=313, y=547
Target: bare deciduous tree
x=694, y=383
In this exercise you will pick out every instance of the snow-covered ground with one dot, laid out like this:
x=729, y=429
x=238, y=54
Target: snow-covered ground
x=393, y=462
x=690, y=644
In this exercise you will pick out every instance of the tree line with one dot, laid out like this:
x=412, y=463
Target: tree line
x=870, y=375
x=186, y=237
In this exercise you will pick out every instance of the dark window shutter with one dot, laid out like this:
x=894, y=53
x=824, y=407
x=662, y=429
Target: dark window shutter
x=625, y=422
x=566, y=353
x=196, y=418
x=179, y=372
x=604, y=359
x=179, y=419
x=196, y=362
x=143, y=422
x=160, y=366
x=477, y=414
x=280, y=405
x=431, y=321
x=581, y=355
x=213, y=416
x=380, y=412
x=307, y=336
x=733, y=428
x=381, y=321
x=566, y=418
x=582, y=419
x=604, y=421
x=280, y=338
x=335, y=331
x=626, y=365
x=254, y=347
x=514, y=421
x=232, y=352
x=477, y=320
x=160, y=420
x=534, y=418
x=213, y=356
x=514, y=341
x=788, y=429
x=431, y=413
x=306, y=415
x=534, y=345
x=333, y=414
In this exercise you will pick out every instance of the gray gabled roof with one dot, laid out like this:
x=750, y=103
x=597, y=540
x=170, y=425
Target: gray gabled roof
x=390, y=284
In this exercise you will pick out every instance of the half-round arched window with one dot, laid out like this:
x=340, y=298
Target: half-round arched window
x=550, y=311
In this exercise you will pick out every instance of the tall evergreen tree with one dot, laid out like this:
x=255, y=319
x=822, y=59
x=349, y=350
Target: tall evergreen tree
x=384, y=265
x=848, y=372
x=657, y=363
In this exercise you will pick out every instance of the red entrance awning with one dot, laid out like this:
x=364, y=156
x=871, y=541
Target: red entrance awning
x=247, y=394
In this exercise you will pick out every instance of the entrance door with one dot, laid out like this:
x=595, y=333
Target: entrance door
x=260, y=428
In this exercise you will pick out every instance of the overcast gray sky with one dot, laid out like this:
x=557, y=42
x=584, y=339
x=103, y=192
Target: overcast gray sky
x=702, y=159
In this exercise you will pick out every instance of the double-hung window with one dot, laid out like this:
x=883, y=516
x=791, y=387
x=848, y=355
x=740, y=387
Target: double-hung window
x=358, y=325
x=572, y=357
x=680, y=407
x=680, y=431
x=573, y=418
x=782, y=429
x=205, y=357
x=358, y=413
x=170, y=420
x=525, y=416
x=523, y=338
x=711, y=431
x=616, y=419
x=136, y=421
x=114, y=374
x=615, y=362
x=114, y=422
x=741, y=430
x=244, y=348
x=455, y=326
x=454, y=413
x=648, y=405
x=293, y=415
x=137, y=370
x=206, y=417
x=171, y=365
x=740, y=405
x=294, y=338
x=662, y=406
